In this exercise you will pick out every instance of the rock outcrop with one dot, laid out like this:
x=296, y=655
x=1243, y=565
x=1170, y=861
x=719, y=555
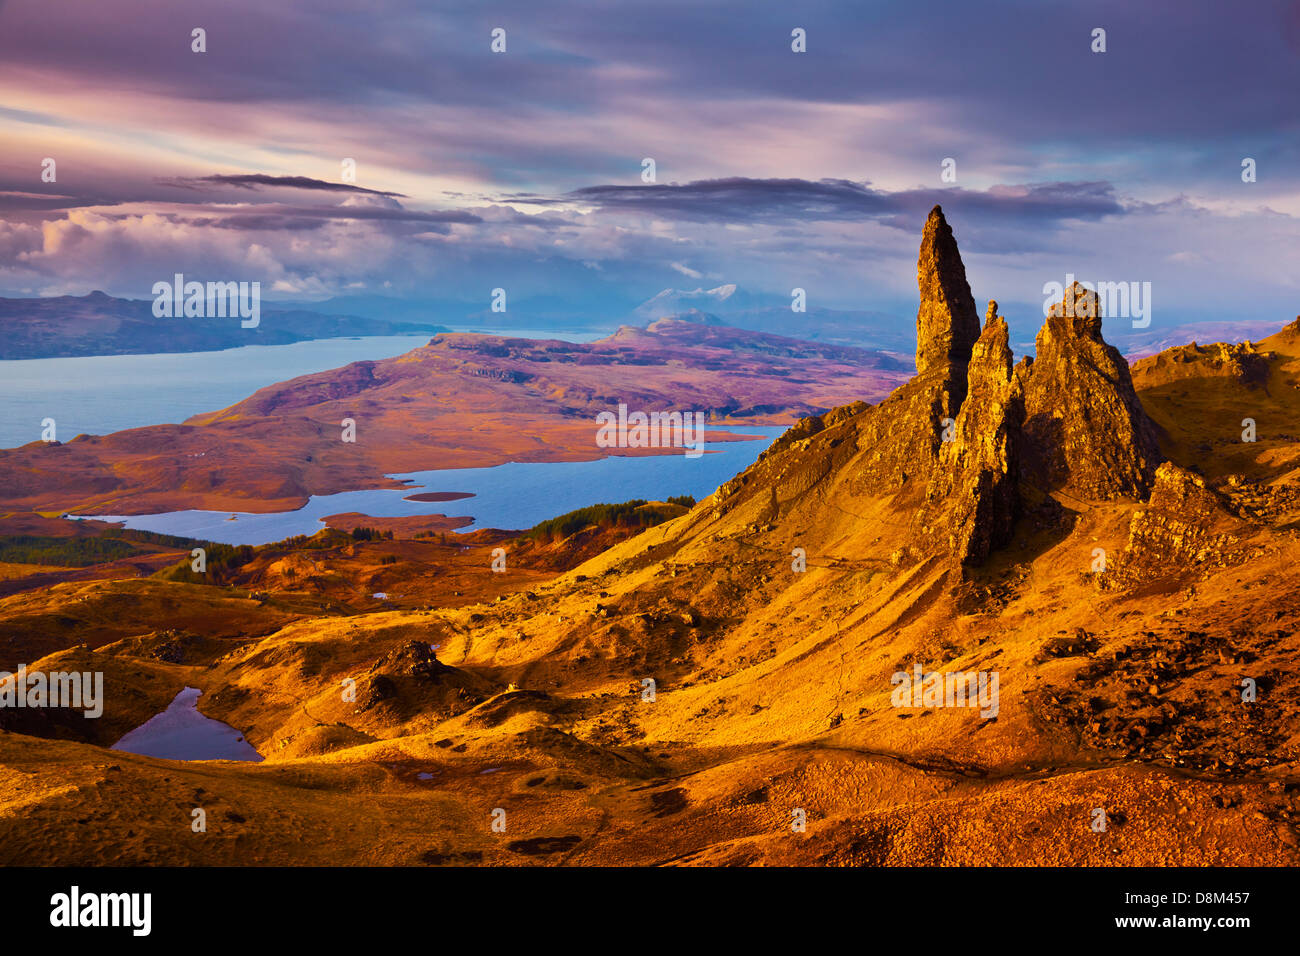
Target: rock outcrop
x=946, y=465
x=1087, y=432
x=974, y=495
x=411, y=679
x=1185, y=525
x=1239, y=361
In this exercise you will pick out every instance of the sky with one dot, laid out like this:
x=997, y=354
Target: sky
x=774, y=169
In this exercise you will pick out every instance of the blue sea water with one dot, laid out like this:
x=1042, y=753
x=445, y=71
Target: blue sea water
x=515, y=495
x=102, y=394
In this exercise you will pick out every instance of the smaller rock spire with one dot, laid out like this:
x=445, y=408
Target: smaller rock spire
x=973, y=498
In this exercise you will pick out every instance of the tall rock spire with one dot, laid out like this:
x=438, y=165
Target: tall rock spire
x=947, y=324
x=908, y=432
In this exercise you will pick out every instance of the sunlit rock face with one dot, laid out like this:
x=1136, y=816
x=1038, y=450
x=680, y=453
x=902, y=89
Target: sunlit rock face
x=1087, y=431
x=973, y=498
x=947, y=324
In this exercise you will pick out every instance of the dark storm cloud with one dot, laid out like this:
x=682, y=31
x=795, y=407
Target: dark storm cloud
x=737, y=200
x=1177, y=74
x=253, y=180
x=278, y=215
x=255, y=222
x=16, y=202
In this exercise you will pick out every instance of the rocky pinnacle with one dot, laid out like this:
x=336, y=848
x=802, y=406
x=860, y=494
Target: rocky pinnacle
x=1089, y=432
x=972, y=501
x=947, y=324
x=974, y=443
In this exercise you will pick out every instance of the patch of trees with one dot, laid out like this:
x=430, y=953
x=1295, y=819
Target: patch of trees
x=71, y=552
x=221, y=561
x=635, y=514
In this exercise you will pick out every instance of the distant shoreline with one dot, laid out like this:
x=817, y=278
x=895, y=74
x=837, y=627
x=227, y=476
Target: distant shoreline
x=154, y=348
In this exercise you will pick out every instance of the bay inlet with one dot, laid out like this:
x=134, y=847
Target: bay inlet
x=515, y=495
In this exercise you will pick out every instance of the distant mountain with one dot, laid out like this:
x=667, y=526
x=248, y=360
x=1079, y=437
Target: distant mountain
x=386, y=307
x=533, y=312
x=727, y=298
x=765, y=312
x=559, y=312
x=854, y=327
x=99, y=324
x=896, y=331
x=693, y=316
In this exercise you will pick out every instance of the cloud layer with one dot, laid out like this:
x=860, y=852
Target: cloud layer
x=476, y=170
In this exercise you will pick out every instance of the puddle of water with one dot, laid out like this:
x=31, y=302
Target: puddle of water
x=182, y=733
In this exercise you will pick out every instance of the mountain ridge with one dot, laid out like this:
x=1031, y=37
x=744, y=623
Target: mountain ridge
x=100, y=324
